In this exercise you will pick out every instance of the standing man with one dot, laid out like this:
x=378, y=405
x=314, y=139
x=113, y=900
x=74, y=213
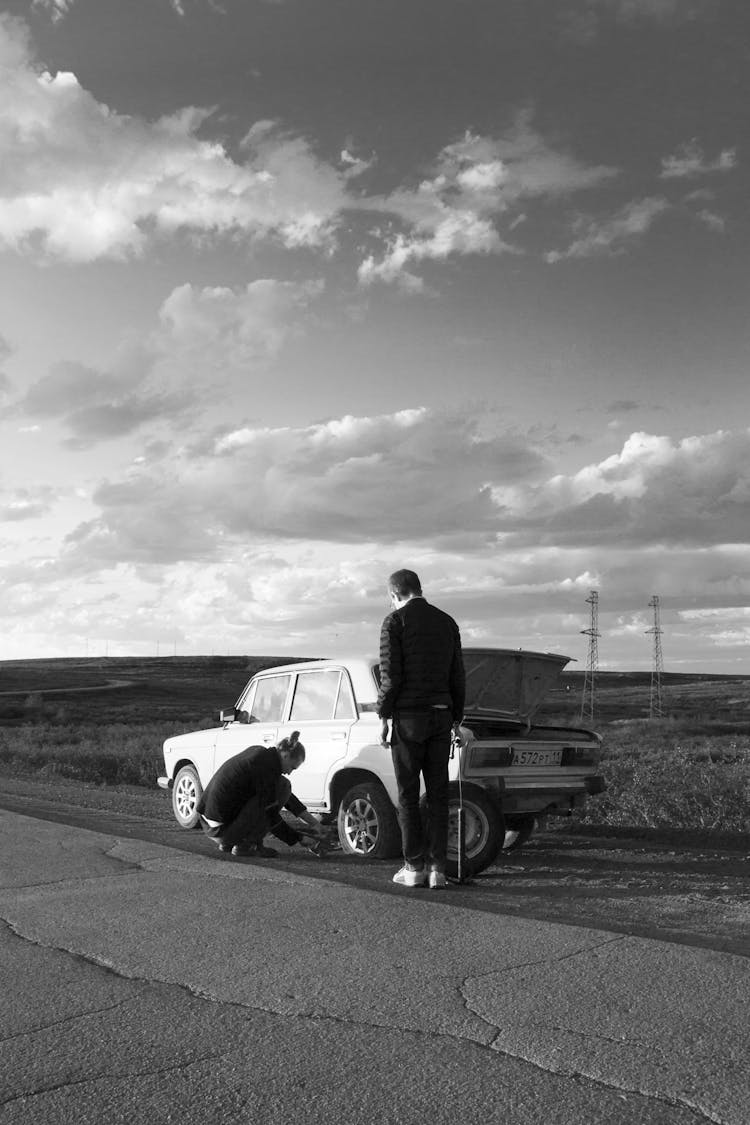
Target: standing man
x=422, y=691
x=243, y=800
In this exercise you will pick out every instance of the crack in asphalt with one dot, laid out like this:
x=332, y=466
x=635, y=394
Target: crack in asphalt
x=84, y=1015
x=515, y=965
x=589, y=1079
x=579, y=1077
x=125, y=1076
x=621, y=1041
x=674, y=1103
x=491, y=1044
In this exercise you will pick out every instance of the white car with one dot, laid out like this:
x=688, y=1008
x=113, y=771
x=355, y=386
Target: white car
x=504, y=772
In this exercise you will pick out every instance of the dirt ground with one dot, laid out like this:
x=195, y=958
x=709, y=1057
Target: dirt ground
x=694, y=895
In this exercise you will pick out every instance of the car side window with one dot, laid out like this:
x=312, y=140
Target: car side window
x=270, y=697
x=315, y=695
x=345, y=708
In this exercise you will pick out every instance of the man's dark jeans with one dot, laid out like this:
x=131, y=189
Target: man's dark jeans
x=421, y=744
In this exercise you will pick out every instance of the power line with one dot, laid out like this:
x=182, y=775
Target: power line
x=592, y=666
x=657, y=667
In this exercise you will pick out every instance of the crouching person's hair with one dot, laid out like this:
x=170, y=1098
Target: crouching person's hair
x=292, y=746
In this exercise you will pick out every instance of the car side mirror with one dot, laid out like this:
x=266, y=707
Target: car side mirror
x=234, y=716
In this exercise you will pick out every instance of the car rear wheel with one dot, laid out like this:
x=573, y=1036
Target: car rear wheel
x=186, y=793
x=483, y=829
x=367, y=823
x=517, y=831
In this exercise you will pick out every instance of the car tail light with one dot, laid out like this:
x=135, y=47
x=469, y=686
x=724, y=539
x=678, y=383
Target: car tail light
x=490, y=757
x=579, y=756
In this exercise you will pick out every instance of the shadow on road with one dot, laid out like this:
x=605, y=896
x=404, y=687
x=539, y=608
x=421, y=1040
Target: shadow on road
x=696, y=897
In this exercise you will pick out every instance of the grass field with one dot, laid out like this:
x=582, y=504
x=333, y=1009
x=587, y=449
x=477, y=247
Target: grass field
x=689, y=770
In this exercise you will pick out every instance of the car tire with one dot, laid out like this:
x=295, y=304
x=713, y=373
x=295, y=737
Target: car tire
x=484, y=829
x=186, y=793
x=518, y=829
x=367, y=823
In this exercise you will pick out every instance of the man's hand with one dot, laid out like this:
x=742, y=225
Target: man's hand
x=313, y=825
x=384, y=739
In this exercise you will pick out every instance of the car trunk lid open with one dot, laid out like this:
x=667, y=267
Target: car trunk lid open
x=510, y=682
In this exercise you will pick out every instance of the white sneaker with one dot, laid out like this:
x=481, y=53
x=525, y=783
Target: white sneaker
x=437, y=879
x=408, y=877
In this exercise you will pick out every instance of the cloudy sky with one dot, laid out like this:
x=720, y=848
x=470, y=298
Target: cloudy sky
x=296, y=292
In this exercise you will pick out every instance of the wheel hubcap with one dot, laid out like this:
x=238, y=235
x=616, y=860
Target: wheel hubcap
x=361, y=826
x=185, y=799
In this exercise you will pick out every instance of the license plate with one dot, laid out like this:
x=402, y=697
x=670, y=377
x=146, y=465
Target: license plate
x=537, y=757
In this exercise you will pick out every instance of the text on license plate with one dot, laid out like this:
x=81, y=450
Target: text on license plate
x=537, y=757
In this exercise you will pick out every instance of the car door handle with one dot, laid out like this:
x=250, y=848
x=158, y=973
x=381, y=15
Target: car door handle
x=340, y=735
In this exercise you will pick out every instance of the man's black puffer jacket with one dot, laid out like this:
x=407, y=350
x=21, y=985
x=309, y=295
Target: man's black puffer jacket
x=420, y=661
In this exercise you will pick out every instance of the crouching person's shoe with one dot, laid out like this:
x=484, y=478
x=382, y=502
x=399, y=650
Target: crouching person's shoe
x=436, y=879
x=259, y=850
x=410, y=876
x=318, y=848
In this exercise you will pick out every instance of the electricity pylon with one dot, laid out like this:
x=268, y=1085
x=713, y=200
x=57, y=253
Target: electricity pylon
x=592, y=666
x=657, y=667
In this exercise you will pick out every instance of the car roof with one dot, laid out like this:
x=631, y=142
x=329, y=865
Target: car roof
x=360, y=670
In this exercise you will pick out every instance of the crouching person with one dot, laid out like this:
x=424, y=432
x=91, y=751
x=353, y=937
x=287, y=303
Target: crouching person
x=243, y=800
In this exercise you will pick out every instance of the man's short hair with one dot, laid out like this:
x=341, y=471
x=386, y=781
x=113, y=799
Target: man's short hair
x=404, y=583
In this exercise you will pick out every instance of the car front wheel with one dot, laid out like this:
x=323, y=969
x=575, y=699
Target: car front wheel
x=186, y=793
x=367, y=823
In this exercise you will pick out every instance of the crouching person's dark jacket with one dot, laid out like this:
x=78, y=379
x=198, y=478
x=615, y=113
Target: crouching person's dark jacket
x=255, y=772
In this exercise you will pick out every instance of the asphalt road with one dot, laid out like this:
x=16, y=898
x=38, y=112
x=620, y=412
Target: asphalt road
x=692, y=896
x=146, y=977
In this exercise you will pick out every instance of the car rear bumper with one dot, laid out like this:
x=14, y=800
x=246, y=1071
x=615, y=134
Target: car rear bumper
x=530, y=796
x=164, y=782
x=525, y=783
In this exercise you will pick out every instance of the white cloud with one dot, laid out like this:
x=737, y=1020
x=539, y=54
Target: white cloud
x=57, y=9
x=217, y=327
x=356, y=165
x=612, y=235
x=79, y=181
x=94, y=405
x=476, y=181
x=403, y=475
x=583, y=21
x=660, y=10
x=689, y=161
x=451, y=482
x=205, y=339
x=653, y=493
x=6, y=352
x=26, y=503
x=287, y=534
x=713, y=221
x=333, y=483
